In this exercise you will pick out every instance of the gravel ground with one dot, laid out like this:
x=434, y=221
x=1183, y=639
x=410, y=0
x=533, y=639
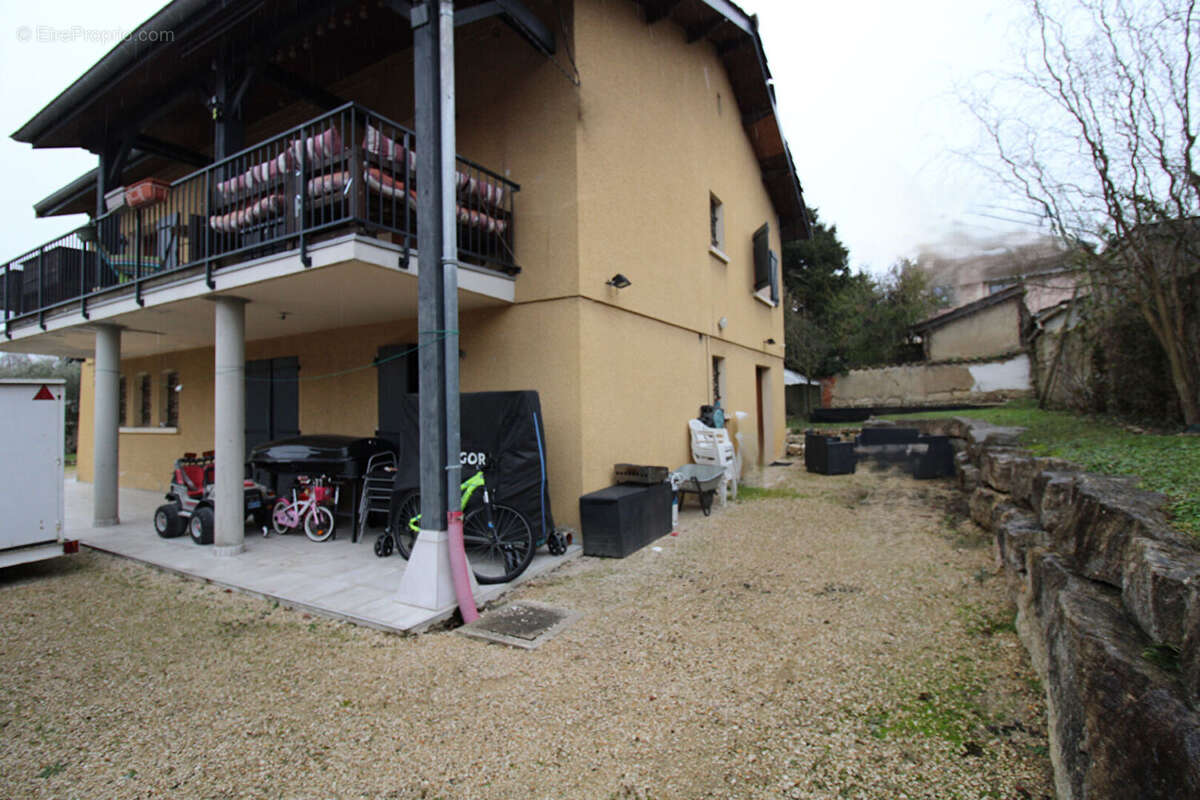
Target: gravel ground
x=840, y=637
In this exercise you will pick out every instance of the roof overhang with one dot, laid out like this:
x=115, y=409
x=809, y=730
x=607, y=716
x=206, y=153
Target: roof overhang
x=153, y=75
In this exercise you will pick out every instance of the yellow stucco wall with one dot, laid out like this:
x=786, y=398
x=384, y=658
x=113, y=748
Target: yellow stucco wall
x=616, y=177
x=660, y=131
x=990, y=332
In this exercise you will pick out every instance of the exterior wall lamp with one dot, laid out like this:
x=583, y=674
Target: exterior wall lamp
x=618, y=281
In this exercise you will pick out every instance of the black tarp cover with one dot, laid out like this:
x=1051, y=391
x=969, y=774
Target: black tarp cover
x=504, y=426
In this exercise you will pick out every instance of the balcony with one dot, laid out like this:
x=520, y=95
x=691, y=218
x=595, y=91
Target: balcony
x=349, y=170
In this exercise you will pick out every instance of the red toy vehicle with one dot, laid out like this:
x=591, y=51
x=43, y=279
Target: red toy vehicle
x=191, y=504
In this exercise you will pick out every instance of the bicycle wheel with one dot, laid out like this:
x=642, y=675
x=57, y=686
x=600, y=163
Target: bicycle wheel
x=318, y=523
x=499, y=553
x=279, y=517
x=409, y=506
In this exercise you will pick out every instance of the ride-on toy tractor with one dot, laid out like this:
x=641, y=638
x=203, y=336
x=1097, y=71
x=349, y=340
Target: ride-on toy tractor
x=190, y=503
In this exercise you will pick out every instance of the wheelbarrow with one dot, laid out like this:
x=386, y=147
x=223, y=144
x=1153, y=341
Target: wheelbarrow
x=703, y=480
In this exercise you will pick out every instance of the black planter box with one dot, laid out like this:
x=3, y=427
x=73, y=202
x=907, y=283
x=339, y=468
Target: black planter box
x=885, y=435
x=826, y=455
x=621, y=519
x=937, y=461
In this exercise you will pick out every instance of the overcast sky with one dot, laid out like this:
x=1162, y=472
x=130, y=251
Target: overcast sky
x=866, y=93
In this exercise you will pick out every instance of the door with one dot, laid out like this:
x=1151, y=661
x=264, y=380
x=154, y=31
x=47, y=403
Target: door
x=272, y=400
x=31, y=467
x=760, y=390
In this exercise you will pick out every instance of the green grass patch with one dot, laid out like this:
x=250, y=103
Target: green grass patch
x=948, y=713
x=979, y=622
x=749, y=493
x=1166, y=463
x=69, y=459
x=51, y=770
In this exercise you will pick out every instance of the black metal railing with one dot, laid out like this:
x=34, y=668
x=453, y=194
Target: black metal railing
x=348, y=168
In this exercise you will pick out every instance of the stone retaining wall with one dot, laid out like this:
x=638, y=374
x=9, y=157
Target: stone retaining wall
x=1108, y=605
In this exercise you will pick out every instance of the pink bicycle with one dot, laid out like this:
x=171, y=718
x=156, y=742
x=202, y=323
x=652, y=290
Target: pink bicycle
x=308, y=504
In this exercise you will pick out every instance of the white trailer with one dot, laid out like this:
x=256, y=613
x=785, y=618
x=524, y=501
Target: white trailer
x=32, y=418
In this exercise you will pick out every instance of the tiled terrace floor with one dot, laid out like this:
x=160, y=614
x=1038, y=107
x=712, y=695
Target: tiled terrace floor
x=336, y=578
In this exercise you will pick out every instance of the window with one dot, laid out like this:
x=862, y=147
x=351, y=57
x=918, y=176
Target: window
x=170, y=401
x=716, y=223
x=122, y=402
x=143, y=416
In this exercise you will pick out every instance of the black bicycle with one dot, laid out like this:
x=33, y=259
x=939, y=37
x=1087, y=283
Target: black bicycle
x=497, y=538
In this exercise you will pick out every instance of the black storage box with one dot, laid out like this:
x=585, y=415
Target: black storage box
x=622, y=519
x=937, y=461
x=888, y=435
x=826, y=455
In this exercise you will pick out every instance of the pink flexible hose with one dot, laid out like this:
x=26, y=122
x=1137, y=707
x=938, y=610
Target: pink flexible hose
x=458, y=567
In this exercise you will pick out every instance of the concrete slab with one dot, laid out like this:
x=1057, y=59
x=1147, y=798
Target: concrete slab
x=338, y=578
x=526, y=625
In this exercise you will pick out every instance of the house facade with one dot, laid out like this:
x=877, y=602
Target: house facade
x=595, y=138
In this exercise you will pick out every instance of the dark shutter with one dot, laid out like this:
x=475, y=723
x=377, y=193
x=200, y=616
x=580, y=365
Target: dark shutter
x=272, y=400
x=285, y=397
x=762, y=257
x=774, y=277
x=397, y=376
x=258, y=403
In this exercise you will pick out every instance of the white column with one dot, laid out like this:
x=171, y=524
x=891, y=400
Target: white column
x=229, y=426
x=106, y=401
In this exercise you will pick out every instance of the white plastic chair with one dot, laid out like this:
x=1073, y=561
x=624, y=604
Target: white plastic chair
x=712, y=446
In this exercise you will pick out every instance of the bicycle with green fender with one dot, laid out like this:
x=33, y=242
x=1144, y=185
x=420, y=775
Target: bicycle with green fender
x=498, y=539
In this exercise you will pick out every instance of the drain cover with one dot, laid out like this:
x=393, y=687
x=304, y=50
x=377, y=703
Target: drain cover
x=524, y=624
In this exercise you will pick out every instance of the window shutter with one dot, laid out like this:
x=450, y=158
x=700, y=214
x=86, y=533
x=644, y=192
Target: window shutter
x=774, y=277
x=762, y=257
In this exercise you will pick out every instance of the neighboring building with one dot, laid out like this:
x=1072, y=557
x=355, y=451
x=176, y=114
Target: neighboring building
x=991, y=327
x=973, y=354
x=663, y=162
x=803, y=395
x=1042, y=266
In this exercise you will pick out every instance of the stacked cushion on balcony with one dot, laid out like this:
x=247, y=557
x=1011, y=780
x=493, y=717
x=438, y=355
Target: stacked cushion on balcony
x=388, y=186
x=375, y=143
x=325, y=146
x=332, y=183
x=257, y=175
x=248, y=214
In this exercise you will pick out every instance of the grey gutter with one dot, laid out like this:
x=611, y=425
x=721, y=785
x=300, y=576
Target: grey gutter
x=124, y=55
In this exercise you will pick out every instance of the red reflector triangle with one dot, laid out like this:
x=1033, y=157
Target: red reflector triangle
x=44, y=393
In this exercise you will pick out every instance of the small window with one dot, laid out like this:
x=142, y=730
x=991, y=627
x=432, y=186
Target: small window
x=716, y=223
x=143, y=419
x=170, y=404
x=122, y=402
